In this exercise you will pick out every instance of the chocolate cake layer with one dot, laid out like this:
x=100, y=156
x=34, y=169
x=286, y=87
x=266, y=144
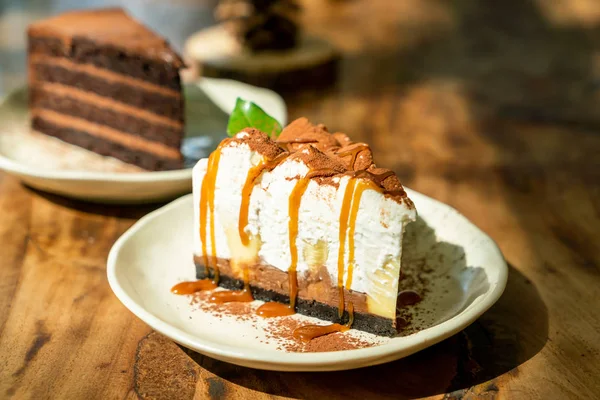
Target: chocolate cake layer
x=160, y=104
x=168, y=135
x=86, y=51
x=105, y=74
x=100, y=101
x=105, y=147
x=105, y=132
x=271, y=284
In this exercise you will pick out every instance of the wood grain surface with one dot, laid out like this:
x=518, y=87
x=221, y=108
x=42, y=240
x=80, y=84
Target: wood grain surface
x=489, y=108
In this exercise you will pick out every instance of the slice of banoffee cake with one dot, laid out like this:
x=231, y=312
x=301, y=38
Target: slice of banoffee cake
x=305, y=222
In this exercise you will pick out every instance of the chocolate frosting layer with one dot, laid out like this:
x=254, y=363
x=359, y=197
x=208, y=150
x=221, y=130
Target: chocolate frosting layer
x=111, y=27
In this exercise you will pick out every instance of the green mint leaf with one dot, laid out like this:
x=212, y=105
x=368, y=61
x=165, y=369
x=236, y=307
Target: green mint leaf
x=246, y=114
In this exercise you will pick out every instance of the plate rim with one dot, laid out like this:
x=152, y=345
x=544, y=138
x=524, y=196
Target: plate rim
x=11, y=166
x=321, y=361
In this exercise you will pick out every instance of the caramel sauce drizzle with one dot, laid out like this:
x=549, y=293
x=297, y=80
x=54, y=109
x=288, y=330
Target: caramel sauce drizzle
x=348, y=214
x=288, y=143
x=207, y=201
x=379, y=178
x=253, y=174
x=294, y=211
x=207, y=208
x=354, y=153
x=271, y=309
x=203, y=212
x=227, y=296
x=359, y=188
x=274, y=309
x=308, y=332
x=344, y=214
x=191, y=287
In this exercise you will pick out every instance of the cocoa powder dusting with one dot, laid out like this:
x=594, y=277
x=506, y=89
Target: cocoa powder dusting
x=260, y=142
x=283, y=329
x=321, y=150
x=342, y=138
x=280, y=330
x=301, y=133
x=317, y=160
x=241, y=310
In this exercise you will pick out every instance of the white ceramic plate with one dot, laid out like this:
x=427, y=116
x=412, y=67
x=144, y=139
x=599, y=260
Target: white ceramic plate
x=53, y=166
x=467, y=276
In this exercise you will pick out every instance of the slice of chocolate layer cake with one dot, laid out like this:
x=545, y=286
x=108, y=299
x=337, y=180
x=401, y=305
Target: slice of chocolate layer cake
x=100, y=80
x=306, y=220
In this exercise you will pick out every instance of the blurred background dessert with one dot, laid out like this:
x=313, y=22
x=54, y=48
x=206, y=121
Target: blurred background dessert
x=527, y=60
x=262, y=42
x=100, y=80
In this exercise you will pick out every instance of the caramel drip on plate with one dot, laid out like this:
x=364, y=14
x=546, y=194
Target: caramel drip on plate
x=308, y=332
x=227, y=296
x=207, y=201
x=193, y=286
x=251, y=178
x=353, y=152
x=274, y=309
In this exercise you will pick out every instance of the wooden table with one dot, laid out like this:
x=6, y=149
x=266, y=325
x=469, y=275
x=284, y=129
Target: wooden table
x=489, y=109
